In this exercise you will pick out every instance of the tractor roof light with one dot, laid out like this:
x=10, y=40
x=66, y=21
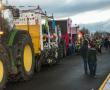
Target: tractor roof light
x=0, y=6
x=1, y=32
x=79, y=36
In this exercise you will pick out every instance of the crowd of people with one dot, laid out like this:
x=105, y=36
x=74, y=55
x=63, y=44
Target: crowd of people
x=89, y=49
x=85, y=47
x=98, y=43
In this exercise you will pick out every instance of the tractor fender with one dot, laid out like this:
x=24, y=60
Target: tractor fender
x=13, y=35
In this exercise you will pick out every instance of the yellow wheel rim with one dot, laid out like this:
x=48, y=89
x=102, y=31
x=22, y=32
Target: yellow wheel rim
x=27, y=58
x=1, y=71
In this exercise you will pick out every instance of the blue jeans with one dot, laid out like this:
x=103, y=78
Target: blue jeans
x=85, y=65
x=92, y=67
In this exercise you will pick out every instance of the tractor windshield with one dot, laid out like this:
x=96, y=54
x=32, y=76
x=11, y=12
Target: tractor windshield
x=7, y=14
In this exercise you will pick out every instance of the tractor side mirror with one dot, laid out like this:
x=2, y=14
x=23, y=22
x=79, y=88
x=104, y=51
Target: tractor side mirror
x=16, y=13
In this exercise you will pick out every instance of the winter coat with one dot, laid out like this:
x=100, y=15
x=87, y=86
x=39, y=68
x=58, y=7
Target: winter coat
x=84, y=50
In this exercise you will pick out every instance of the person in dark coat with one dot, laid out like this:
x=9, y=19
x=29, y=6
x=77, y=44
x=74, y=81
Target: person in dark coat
x=109, y=46
x=84, y=55
x=106, y=43
x=92, y=61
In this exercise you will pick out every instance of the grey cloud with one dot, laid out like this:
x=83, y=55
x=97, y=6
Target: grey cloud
x=78, y=8
x=62, y=8
x=100, y=26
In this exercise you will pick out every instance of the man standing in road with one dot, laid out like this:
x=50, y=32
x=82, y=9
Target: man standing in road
x=92, y=61
x=84, y=55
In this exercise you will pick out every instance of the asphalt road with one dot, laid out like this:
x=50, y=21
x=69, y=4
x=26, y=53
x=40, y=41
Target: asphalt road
x=68, y=75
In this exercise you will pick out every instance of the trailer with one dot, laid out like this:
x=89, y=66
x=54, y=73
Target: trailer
x=44, y=41
x=65, y=26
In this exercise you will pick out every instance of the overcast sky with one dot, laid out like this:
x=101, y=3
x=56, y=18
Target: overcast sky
x=81, y=11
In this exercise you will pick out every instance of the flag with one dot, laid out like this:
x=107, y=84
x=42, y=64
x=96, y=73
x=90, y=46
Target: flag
x=46, y=22
x=53, y=24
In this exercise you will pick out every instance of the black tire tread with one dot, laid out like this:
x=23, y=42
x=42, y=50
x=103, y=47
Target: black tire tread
x=20, y=41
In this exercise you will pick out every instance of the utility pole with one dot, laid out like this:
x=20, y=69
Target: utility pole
x=6, y=1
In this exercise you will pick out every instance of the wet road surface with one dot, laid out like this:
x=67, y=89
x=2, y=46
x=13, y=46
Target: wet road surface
x=68, y=75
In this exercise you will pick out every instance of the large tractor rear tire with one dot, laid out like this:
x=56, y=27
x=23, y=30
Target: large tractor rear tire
x=3, y=67
x=24, y=54
x=38, y=65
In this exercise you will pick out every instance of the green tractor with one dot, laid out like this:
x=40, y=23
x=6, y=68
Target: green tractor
x=18, y=49
x=17, y=58
x=4, y=66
